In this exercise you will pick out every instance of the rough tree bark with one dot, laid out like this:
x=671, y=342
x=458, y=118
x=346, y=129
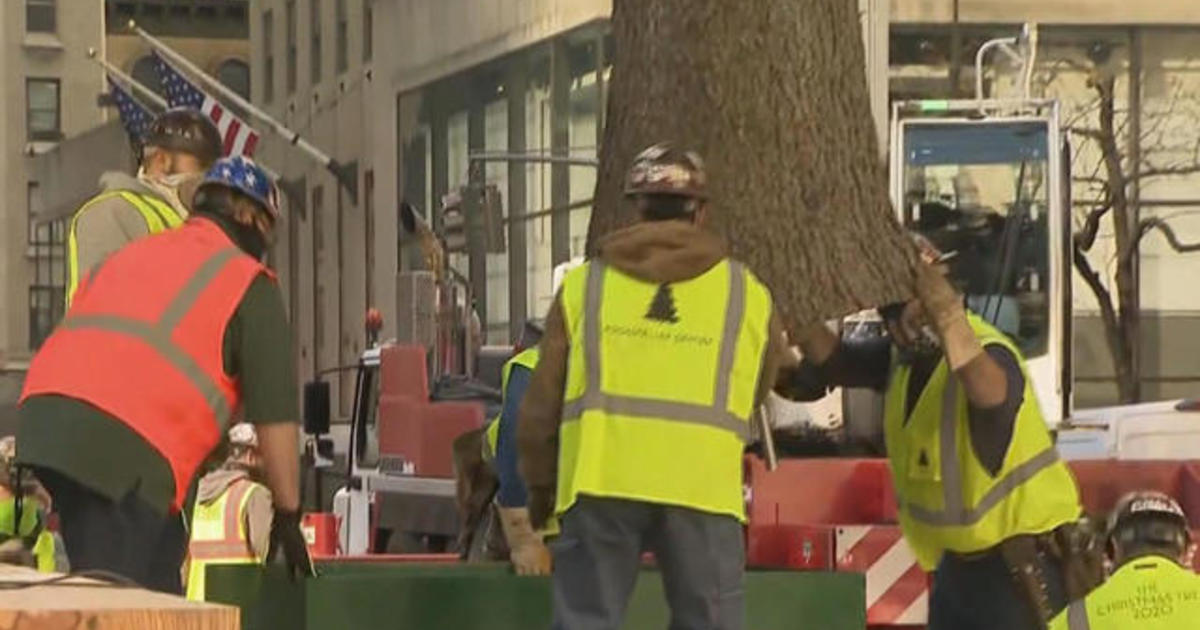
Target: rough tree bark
x=773, y=94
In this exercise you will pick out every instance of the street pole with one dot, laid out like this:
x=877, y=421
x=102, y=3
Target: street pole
x=345, y=174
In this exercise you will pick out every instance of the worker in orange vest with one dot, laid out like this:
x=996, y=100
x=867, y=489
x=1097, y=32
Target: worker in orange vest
x=231, y=521
x=129, y=396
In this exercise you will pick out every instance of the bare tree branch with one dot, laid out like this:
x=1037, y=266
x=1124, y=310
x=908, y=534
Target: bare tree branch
x=1087, y=132
x=1104, y=298
x=1167, y=171
x=1168, y=232
x=1086, y=236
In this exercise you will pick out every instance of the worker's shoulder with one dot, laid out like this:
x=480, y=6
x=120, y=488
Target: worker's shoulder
x=108, y=206
x=754, y=280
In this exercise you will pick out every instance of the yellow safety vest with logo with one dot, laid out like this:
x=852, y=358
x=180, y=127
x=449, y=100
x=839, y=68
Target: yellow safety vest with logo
x=158, y=215
x=661, y=382
x=33, y=533
x=527, y=359
x=219, y=534
x=1147, y=593
x=948, y=501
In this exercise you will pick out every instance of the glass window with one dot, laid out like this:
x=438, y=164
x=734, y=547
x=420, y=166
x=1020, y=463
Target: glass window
x=41, y=16
x=235, y=75
x=268, y=53
x=343, y=56
x=42, y=109
x=981, y=191
x=290, y=15
x=496, y=174
x=368, y=35
x=314, y=50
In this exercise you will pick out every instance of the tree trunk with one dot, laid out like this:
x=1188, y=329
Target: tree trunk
x=773, y=94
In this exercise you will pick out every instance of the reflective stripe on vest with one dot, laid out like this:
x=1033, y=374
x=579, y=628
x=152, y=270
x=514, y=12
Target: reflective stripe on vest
x=1152, y=592
x=715, y=415
x=158, y=335
x=143, y=342
x=948, y=500
x=158, y=215
x=954, y=513
x=1077, y=617
x=661, y=383
x=226, y=515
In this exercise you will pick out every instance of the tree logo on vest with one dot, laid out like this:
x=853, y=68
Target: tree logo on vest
x=662, y=307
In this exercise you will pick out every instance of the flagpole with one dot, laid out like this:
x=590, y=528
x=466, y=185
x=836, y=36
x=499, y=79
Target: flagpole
x=346, y=174
x=159, y=101
x=147, y=93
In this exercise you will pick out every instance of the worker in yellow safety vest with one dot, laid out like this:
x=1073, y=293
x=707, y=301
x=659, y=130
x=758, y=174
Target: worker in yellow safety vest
x=655, y=355
x=231, y=522
x=24, y=500
x=1152, y=587
x=983, y=497
x=179, y=147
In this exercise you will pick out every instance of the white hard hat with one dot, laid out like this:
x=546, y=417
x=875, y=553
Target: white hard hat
x=561, y=270
x=243, y=434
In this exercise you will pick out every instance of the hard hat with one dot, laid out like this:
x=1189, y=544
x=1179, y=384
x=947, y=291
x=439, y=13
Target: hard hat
x=1152, y=506
x=662, y=169
x=243, y=434
x=240, y=173
x=560, y=273
x=188, y=130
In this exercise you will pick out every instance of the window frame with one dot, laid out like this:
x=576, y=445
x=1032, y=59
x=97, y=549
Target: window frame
x=35, y=6
x=55, y=134
x=268, y=52
x=292, y=53
x=368, y=34
x=314, y=41
x=341, y=26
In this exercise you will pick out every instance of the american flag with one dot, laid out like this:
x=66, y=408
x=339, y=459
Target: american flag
x=240, y=138
x=134, y=116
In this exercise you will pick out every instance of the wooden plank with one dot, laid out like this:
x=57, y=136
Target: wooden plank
x=92, y=605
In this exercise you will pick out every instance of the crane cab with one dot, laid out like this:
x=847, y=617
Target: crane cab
x=987, y=180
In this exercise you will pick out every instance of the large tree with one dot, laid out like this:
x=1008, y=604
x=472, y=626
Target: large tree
x=773, y=94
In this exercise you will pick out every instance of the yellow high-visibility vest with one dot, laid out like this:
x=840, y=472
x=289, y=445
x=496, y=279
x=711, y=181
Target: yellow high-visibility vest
x=32, y=529
x=661, y=384
x=1147, y=593
x=219, y=534
x=948, y=501
x=527, y=359
x=158, y=215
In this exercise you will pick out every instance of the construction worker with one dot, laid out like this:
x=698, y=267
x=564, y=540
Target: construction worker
x=179, y=147
x=632, y=429
x=30, y=543
x=527, y=550
x=982, y=493
x=231, y=522
x=1152, y=588
x=164, y=341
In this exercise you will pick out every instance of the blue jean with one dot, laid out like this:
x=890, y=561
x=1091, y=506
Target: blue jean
x=980, y=594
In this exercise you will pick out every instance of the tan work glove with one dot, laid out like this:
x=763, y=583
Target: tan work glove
x=528, y=553
x=943, y=306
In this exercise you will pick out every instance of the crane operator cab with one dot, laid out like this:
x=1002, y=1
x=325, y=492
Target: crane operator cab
x=984, y=181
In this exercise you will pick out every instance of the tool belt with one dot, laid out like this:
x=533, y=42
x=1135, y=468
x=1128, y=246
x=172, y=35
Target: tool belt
x=1074, y=547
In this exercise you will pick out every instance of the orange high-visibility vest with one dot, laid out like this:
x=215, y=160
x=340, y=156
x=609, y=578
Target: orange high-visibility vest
x=143, y=342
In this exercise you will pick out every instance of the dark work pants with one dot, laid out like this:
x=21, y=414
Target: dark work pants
x=598, y=555
x=980, y=594
x=128, y=537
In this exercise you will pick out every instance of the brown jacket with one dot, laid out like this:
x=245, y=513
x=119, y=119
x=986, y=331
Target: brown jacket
x=658, y=252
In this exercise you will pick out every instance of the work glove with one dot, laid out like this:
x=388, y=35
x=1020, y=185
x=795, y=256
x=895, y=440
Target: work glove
x=528, y=553
x=944, y=309
x=286, y=535
x=541, y=506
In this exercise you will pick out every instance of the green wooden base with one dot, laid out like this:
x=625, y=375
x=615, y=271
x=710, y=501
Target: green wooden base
x=460, y=596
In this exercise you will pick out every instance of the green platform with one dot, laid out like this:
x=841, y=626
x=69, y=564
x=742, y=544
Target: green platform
x=461, y=597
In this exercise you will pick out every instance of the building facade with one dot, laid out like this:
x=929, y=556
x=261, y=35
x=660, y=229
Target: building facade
x=68, y=134
x=52, y=88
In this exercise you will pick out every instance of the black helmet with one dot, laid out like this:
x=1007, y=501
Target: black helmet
x=1148, y=517
x=187, y=130
x=663, y=169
